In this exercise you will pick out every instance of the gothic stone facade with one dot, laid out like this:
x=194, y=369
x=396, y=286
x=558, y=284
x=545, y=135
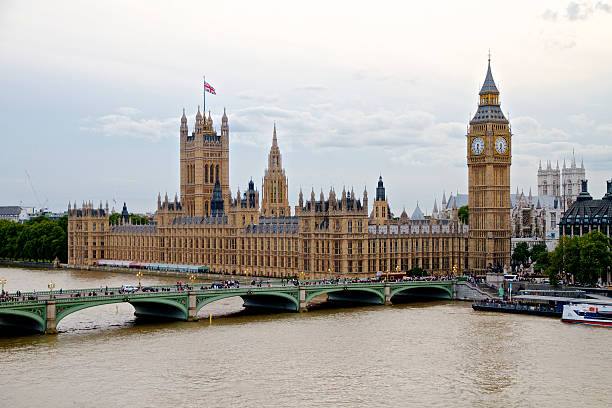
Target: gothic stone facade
x=489, y=157
x=333, y=236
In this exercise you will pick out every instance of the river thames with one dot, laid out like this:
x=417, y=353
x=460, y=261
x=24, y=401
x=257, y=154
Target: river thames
x=422, y=354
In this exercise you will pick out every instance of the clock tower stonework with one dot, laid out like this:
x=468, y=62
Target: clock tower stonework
x=488, y=158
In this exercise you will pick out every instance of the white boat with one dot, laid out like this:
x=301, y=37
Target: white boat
x=586, y=313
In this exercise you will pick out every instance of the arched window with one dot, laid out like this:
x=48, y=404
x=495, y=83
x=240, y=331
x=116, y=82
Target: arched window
x=217, y=173
x=206, y=173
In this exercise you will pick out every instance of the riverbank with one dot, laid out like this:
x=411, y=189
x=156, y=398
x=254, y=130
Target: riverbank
x=158, y=273
x=28, y=264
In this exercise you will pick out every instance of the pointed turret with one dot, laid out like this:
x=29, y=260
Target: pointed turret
x=489, y=86
x=443, y=199
x=301, y=198
x=198, y=122
x=417, y=214
x=488, y=107
x=530, y=197
x=216, y=204
x=125, y=215
x=380, y=190
x=224, y=125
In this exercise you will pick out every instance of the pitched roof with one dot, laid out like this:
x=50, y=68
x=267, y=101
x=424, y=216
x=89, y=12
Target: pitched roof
x=417, y=214
x=8, y=210
x=489, y=84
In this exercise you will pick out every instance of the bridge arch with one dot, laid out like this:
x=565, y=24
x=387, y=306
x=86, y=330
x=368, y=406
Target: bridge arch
x=170, y=308
x=379, y=295
x=422, y=291
x=23, y=319
x=287, y=299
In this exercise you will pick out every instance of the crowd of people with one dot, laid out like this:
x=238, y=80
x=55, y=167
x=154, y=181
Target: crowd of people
x=223, y=284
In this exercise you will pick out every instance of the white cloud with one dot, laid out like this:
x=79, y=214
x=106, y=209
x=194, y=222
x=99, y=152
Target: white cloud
x=581, y=120
x=583, y=10
x=128, y=111
x=578, y=11
x=549, y=15
x=125, y=125
x=528, y=129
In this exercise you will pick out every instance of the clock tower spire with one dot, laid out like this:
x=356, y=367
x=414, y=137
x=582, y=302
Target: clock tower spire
x=489, y=159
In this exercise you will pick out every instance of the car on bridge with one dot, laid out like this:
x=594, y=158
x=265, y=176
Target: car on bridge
x=129, y=289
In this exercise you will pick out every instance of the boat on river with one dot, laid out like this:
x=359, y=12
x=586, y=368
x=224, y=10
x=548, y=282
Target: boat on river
x=494, y=305
x=585, y=313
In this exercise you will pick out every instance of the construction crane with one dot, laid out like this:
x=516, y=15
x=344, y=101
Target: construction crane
x=29, y=179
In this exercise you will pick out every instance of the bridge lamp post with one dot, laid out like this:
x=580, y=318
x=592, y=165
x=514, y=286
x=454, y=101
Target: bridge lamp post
x=3, y=282
x=139, y=276
x=387, y=275
x=51, y=285
x=192, y=278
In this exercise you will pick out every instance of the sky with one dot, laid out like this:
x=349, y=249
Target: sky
x=91, y=93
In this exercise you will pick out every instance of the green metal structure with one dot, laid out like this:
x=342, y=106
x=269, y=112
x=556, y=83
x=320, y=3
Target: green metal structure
x=44, y=315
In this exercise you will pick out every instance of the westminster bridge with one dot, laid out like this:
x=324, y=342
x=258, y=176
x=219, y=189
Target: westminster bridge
x=42, y=311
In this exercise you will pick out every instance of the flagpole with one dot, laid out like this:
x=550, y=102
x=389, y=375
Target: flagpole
x=204, y=106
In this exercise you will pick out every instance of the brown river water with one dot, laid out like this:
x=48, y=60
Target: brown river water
x=437, y=354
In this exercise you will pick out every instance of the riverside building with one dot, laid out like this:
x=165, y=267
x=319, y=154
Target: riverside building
x=333, y=235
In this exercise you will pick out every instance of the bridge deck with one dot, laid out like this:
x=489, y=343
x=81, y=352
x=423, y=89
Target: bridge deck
x=45, y=309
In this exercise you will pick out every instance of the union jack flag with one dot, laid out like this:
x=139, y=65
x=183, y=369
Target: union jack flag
x=208, y=88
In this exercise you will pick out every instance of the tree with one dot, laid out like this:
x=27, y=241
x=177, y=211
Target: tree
x=587, y=258
x=115, y=218
x=139, y=219
x=416, y=271
x=39, y=239
x=464, y=214
x=542, y=262
x=536, y=251
x=595, y=257
x=520, y=256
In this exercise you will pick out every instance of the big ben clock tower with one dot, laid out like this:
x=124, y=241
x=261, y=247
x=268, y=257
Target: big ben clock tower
x=488, y=157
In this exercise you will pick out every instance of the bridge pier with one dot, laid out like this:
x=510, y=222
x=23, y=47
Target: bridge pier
x=302, y=298
x=51, y=323
x=192, y=313
x=387, y=294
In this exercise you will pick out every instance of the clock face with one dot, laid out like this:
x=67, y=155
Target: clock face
x=477, y=145
x=501, y=145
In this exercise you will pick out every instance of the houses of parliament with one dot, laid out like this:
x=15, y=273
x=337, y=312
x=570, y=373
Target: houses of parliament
x=335, y=235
